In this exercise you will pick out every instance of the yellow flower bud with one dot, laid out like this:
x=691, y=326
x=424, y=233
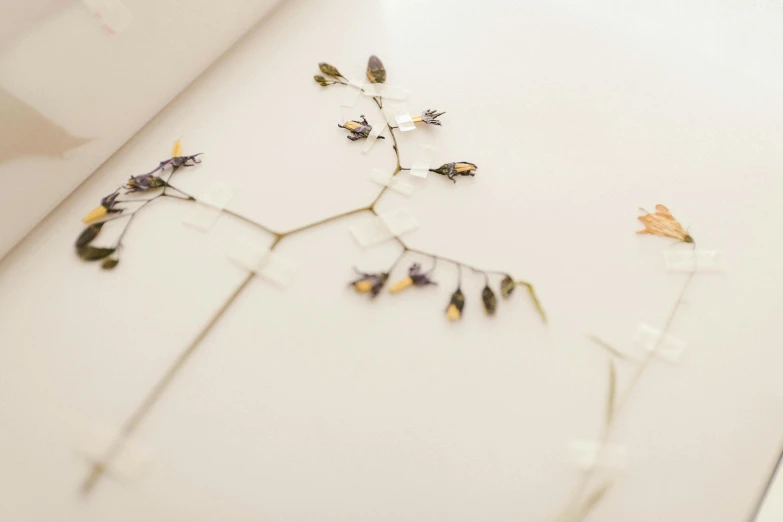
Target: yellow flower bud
x=464, y=167
x=453, y=313
x=176, y=150
x=417, y=119
x=97, y=213
x=400, y=285
x=351, y=125
x=363, y=286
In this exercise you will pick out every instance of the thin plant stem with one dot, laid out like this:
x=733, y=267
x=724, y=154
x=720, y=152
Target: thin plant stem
x=622, y=400
x=134, y=421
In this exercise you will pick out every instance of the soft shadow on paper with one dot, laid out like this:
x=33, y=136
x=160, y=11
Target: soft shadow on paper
x=26, y=132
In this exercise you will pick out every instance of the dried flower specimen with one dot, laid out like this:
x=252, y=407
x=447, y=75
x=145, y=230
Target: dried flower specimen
x=662, y=223
x=429, y=116
x=359, y=129
x=456, y=305
x=367, y=283
x=370, y=283
x=415, y=278
x=459, y=168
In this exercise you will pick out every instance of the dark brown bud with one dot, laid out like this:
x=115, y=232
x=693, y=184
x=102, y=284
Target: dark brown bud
x=375, y=71
x=489, y=299
x=507, y=286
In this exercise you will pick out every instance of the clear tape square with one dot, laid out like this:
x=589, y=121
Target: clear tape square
x=127, y=462
x=376, y=131
x=588, y=454
x=405, y=122
x=394, y=108
x=421, y=165
x=263, y=262
x=378, y=229
x=692, y=260
x=668, y=348
x=350, y=93
x=209, y=205
x=395, y=183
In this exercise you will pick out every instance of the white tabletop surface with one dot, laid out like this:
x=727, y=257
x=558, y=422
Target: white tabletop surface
x=311, y=403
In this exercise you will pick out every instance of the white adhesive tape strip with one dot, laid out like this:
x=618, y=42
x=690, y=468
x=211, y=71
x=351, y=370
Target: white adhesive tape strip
x=588, y=454
x=388, y=92
x=399, y=221
x=421, y=166
x=692, y=260
x=378, y=229
x=263, y=262
x=277, y=269
x=351, y=93
x=371, y=89
x=127, y=462
x=669, y=348
x=370, y=232
x=209, y=205
x=393, y=182
x=392, y=109
x=394, y=93
x=376, y=131
x=113, y=15
x=405, y=122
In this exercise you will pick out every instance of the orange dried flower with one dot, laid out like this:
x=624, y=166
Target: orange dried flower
x=662, y=223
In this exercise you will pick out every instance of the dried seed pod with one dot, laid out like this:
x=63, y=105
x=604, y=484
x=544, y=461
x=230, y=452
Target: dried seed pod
x=456, y=305
x=489, y=299
x=375, y=70
x=507, y=286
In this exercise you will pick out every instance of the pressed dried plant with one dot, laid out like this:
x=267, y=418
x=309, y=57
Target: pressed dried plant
x=155, y=184
x=662, y=223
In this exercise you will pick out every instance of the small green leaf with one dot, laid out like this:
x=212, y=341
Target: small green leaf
x=507, y=286
x=88, y=235
x=329, y=70
x=110, y=262
x=90, y=253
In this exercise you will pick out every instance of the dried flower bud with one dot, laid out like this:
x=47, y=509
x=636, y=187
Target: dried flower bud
x=507, y=286
x=375, y=71
x=370, y=283
x=457, y=168
x=415, y=277
x=456, y=305
x=176, y=150
x=359, y=129
x=110, y=262
x=329, y=70
x=489, y=299
x=401, y=285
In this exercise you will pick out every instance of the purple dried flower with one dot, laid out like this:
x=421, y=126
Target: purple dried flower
x=429, y=116
x=359, y=129
x=372, y=283
x=458, y=168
